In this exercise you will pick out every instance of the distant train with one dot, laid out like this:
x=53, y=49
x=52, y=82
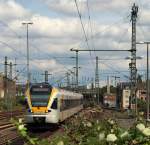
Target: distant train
x=51, y=105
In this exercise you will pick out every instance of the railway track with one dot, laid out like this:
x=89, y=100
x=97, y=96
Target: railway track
x=10, y=114
x=47, y=133
x=8, y=135
x=41, y=133
x=111, y=108
x=5, y=126
x=8, y=132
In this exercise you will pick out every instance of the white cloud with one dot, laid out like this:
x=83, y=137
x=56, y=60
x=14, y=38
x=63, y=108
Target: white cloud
x=69, y=7
x=9, y=10
x=56, y=35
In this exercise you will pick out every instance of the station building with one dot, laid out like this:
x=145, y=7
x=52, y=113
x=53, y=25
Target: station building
x=7, y=88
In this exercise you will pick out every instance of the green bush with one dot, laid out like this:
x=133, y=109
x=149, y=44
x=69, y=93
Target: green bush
x=82, y=131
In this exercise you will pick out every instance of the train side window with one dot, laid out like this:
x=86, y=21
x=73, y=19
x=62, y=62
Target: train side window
x=54, y=104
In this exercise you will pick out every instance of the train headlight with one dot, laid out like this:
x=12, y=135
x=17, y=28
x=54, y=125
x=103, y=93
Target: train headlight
x=29, y=110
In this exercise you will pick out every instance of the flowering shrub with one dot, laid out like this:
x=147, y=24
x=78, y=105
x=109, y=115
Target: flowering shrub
x=23, y=132
x=82, y=131
x=140, y=126
x=85, y=132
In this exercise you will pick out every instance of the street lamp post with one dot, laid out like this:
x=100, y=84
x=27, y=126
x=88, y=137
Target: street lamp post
x=147, y=78
x=28, y=69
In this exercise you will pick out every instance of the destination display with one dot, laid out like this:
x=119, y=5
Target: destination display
x=40, y=89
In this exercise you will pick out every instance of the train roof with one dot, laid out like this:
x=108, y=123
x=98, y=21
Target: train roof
x=68, y=91
x=48, y=85
x=40, y=84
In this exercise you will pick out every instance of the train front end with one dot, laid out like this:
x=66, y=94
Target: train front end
x=42, y=102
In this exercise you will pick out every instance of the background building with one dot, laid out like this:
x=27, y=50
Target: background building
x=7, y=91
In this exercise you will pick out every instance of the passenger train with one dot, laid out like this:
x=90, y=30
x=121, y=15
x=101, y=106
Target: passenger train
x=51, y=105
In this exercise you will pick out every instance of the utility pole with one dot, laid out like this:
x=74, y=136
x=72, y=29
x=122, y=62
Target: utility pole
x=108, y=85
x=72, y=82
x=9, y=95
x=116, y=77
x=68, y=80
x=87, y=50
x=97, y=80
x=15, y=68
x=10, y=73
x=28, y=69
x=73, y=78
x=132, y=65
x=77, y=71
x=5, y=82
x=46, y=74
x=5, y=68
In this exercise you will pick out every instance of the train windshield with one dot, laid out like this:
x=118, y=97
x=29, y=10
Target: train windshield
x=40, y=95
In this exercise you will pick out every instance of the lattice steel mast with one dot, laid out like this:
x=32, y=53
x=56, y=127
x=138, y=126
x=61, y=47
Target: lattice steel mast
x=97, y=80
x=132, y=65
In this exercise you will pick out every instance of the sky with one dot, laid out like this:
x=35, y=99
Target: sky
x=57, y=28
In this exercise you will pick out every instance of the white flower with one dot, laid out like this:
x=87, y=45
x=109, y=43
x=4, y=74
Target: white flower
x=101, y=136
x=141, y=113
x=98, y=128
x=140, y=126
x=20, y=127
x=89, y=124
x=112, y=130
x=146, y=131
x=111, y=121
x=84, y=124
x=124, y=134
x=60, y=143
x=76, y=116
x=20, y=120
x=111, y=137
x=97, y=121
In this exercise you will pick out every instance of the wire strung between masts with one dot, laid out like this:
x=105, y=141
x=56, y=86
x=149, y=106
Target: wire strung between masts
x=90, y=24
x=79, y=14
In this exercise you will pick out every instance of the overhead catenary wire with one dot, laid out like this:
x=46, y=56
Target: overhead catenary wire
x=19, y=52
x=79, y=14
x=18, y=74
x=11, y=47
x=6, y=25
x=55, y=58
x=90, y=24
x=124, y=75
x=62, y=78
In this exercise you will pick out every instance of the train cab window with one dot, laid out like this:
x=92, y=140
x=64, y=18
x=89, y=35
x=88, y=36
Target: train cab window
x=54, y=104
x=40, y=94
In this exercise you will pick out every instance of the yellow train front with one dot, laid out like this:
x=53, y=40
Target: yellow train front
x=48, y=104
